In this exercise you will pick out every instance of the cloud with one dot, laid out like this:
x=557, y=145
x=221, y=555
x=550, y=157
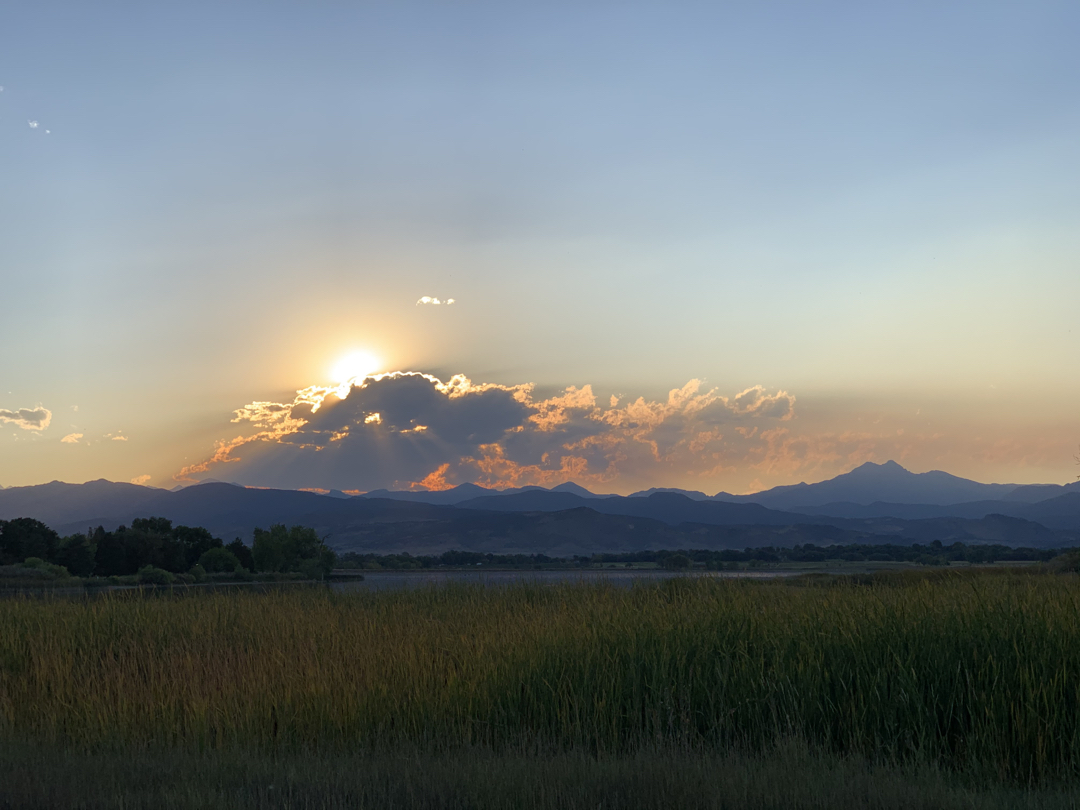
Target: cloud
x=72, y=438
x=433, y=301
x=33, y=124
x=27, y=418
x=755, y=401
x=116, y=437
x=412, y=430
x=141, y=480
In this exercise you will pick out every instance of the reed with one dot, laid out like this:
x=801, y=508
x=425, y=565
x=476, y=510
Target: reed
x=973, y=672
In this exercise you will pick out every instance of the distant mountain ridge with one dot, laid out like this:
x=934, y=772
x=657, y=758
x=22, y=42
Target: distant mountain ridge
x=888, y=482
x=1018, y=515
x=867, y=484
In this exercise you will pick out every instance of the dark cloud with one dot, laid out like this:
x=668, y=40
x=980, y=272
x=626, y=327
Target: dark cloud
x=27, y=418
x=405, y=429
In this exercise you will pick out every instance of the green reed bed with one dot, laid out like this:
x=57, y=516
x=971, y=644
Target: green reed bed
x=976, y=673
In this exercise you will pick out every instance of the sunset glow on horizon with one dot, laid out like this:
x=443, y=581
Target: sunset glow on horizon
x=716, y=248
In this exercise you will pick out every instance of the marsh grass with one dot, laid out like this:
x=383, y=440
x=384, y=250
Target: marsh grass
x=974, y=674
x=788, y=776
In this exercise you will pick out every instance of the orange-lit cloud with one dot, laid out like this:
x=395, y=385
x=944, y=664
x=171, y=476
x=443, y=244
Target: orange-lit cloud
x=435, y=481
x=412, y=430
x=407, y=430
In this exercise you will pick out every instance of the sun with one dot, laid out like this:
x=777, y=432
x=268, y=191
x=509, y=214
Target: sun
x=355, y=365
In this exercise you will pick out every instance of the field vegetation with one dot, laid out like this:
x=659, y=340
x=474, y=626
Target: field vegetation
x=957, y=682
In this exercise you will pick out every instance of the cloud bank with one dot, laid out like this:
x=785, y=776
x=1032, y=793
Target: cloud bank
x=27, y=418
x=427, y=299
x=407, y=429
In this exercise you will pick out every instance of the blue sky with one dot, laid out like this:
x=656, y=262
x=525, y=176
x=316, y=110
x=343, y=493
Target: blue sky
x=871, y=210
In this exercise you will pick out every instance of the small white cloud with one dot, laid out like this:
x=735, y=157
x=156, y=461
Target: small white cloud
x=72, y=438
x=427, y=299
x=141, y=480
x=117, y=437
x=33, y=124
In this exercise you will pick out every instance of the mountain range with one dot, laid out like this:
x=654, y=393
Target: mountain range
x=872, y=503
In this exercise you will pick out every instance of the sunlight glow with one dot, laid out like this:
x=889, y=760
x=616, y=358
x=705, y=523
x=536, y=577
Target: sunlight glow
x=355, y=365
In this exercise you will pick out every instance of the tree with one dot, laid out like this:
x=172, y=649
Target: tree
x=677, y=562
x=77, y=554
x=25, y=537
x=242, y=553
x=151, y=541
x=195, y=542
x=281, y=549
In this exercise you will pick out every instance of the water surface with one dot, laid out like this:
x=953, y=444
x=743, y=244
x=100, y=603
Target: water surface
x=401, y=580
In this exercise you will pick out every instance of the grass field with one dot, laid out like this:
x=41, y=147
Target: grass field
x=953, y=689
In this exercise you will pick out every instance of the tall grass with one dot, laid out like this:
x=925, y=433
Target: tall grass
x=969, y=672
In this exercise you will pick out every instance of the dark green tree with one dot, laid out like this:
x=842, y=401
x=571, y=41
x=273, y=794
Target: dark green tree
x=281, y=549
x=76, y=554
x=242, y=553
x=25, y=537
x=677, y=562
x=195, y=542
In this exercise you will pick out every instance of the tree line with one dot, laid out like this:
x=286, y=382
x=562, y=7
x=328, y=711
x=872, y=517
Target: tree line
x=934, y=553
x=156, y=543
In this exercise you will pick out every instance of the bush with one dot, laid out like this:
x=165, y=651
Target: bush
x=149, y=575
x=312, y=569
x=219, y=560
x=198, y=572
x=1065, y=563
x=48, y=569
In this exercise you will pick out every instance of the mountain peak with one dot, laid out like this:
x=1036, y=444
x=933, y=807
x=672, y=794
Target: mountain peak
x=576, y=489
x=890, y=466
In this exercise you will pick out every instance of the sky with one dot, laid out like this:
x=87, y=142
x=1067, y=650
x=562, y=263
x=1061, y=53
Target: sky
x=709, y=246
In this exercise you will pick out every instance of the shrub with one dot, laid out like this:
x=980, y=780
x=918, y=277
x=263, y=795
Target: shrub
x=48, y=569
x=1065, y=563
x=219, y=560
x=149, y=575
